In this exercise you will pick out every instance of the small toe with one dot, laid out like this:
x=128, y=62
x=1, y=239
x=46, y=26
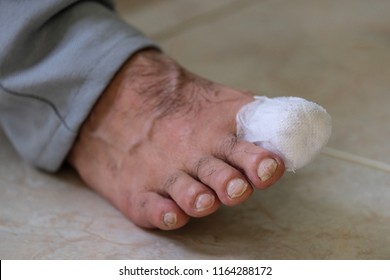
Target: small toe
x=193, y=197
x=157, y=211
x=228, y=183
x=262, y=167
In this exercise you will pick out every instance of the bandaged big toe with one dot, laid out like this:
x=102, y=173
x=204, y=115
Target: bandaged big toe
x=291, y=127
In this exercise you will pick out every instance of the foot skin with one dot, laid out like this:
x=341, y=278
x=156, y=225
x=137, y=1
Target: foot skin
x=161, y=145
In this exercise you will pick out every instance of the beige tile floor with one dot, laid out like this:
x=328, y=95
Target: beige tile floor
x=334, y=52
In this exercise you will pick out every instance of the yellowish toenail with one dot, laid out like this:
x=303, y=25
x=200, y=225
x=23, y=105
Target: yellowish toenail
x=236, y=188
x=170, y=219
x=204, y=202
x=267, y=168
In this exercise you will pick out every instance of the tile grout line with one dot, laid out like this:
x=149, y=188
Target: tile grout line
x=335, y=153
x=201, y=19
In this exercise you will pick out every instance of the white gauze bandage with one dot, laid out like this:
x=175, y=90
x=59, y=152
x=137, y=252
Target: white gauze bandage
x=291, y=127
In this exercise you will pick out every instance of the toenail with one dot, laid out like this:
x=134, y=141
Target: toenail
x=267, y=168
x=170, y=219
x=236, y=188
x=204, y=201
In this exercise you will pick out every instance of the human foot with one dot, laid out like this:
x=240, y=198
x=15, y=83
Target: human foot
x=161, y=145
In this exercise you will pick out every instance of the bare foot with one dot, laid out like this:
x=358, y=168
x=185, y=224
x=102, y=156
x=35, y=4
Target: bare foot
x=160, y=144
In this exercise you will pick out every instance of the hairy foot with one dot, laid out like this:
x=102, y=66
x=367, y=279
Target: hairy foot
x=161, y=145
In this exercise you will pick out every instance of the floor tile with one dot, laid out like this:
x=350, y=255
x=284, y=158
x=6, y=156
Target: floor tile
x=161, y=16
x=336, y=53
